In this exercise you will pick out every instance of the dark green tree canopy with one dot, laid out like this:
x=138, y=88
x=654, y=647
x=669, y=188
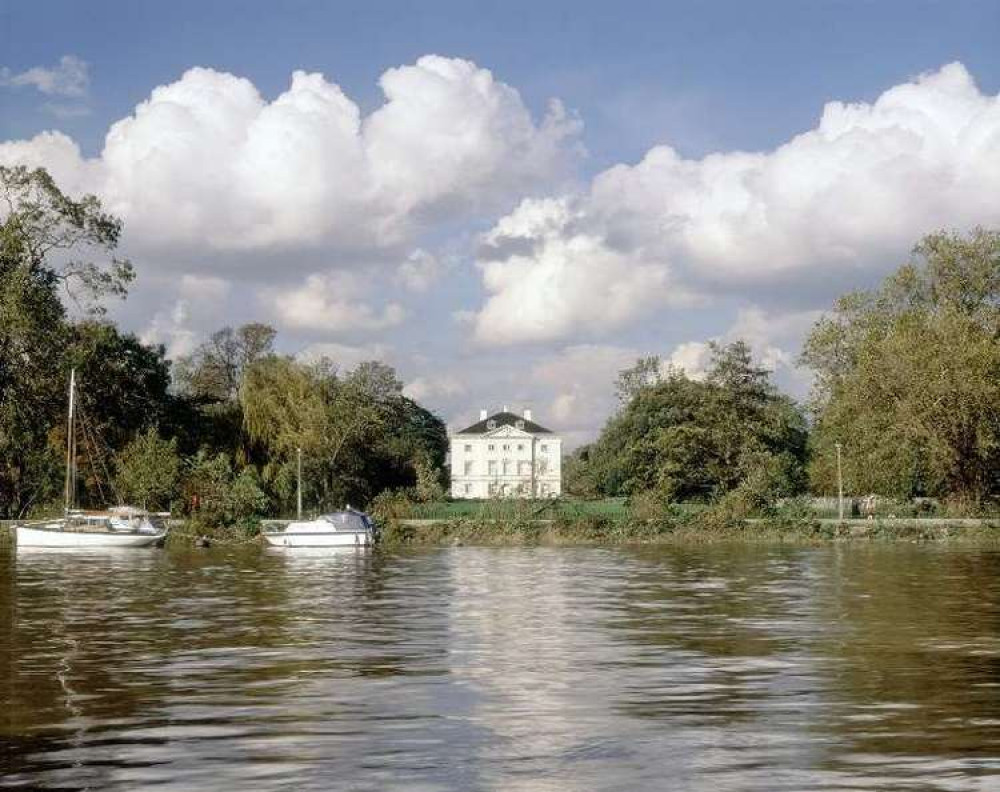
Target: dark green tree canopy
x=47, y=241
x=690, y=439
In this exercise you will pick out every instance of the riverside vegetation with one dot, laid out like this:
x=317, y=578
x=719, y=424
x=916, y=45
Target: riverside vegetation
x=907, y=380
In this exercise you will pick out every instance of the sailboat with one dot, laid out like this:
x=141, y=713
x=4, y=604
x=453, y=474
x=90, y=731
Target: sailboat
x=121, y=526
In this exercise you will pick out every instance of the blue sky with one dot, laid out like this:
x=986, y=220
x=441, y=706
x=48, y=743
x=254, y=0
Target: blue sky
x=703, y=78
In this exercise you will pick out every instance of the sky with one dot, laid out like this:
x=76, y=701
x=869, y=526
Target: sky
x=509, y=202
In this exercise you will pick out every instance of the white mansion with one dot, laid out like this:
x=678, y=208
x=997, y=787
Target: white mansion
x=505, y=455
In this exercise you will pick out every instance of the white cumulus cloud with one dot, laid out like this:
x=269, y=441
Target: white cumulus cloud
x=207, y=161
x=850, y=196
x=549, y=275
x=331, y=302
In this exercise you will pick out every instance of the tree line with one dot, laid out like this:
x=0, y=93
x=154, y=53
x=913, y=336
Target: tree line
x=216, y=434
x=906, y=381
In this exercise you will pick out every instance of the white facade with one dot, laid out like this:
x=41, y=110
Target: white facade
x=506, y=455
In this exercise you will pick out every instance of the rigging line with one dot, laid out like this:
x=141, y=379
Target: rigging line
x=90, y=436
x=102, y=458
x=91, y=452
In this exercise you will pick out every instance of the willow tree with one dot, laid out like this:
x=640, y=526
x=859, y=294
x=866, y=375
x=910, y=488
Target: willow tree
x=288, y=405
x=908, y=376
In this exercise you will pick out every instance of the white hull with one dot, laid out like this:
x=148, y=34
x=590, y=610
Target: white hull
x=39, y=536
x=316, y=539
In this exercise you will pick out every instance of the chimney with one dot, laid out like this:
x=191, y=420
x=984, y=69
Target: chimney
x=505, y=408
x=527, y=414
x=482, y=415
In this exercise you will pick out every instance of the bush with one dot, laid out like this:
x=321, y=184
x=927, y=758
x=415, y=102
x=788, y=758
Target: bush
x=148, y=471
x=214, y=496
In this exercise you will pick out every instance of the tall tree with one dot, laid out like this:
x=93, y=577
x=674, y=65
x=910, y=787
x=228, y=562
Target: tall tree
x=215, y=371
x=908, y=376
x=48, y=242
x=698, y=440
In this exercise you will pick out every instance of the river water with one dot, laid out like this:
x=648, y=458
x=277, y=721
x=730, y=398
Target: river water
x=708, y=668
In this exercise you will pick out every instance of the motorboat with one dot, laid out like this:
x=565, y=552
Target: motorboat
x=347, y=528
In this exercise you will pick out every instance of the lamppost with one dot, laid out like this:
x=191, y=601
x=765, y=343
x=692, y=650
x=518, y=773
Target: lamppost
x=840, y=485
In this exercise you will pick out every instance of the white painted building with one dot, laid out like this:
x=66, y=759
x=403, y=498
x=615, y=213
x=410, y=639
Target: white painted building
x=506, y=455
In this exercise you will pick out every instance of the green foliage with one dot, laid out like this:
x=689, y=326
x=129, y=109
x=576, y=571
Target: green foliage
x=234, y=410
x=428, y=486
x=45, y=241
x=149, y=470
x=691, y=440
x=357, y=433
x=908, y=377
x=41, y=223
x=215, y=495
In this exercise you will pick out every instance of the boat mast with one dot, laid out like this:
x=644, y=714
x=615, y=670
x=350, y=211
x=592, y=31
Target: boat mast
x=71, y=445
x=299, y=493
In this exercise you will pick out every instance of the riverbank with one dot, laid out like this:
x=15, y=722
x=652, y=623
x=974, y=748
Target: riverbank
x=408, y=532
x=596, y=531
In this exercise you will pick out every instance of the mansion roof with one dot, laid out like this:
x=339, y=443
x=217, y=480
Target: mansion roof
x=499, y=419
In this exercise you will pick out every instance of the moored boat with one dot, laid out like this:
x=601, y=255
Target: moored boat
x=347, y=528
x=121, y=526
x=84, y=533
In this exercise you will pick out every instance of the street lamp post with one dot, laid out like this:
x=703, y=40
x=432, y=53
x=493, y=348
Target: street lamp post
x=840, y=485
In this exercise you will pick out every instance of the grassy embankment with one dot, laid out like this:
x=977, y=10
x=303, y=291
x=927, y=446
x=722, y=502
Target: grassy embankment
x=614, y=521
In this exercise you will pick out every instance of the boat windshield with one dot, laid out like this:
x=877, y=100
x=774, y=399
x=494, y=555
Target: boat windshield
x=347, y=521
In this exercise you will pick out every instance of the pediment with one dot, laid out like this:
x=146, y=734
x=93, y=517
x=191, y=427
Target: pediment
x=508, y=431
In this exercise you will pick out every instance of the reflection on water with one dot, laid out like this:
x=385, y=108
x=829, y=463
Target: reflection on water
x=716, y=668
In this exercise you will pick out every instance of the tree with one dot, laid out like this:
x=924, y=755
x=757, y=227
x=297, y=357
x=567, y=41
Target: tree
x=358, y=434
x=47, y=242
x=698, y=440
x=646, y=371
x=289, y=405
x=376, y=380
x=148, y=471
x=216, y=369
x=908, y=376
x=42, y=222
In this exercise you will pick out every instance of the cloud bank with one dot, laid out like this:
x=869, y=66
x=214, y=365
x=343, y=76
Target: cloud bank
x=207, y=161
x=847, y=197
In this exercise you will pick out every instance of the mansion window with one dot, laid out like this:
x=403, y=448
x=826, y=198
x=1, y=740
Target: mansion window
x=492, y=467
x=468, y=448
x=468, y=468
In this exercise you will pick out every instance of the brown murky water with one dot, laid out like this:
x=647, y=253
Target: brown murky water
x=717, y=668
